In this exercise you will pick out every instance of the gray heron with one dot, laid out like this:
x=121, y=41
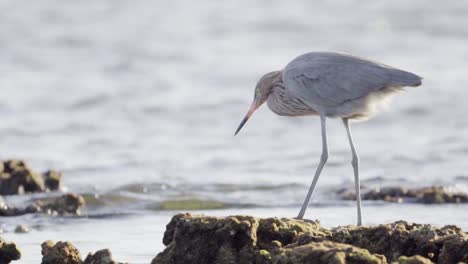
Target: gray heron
x=330, y=85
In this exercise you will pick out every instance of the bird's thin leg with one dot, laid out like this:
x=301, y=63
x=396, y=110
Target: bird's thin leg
x=323, y=160
x=355, y=163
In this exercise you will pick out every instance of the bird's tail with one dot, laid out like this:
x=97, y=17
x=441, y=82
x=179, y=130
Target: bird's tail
x=404, y=78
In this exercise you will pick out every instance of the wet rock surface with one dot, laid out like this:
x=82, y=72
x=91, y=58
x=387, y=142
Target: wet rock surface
x=17, y=178
x=244, y=239
x=427, y=195
x=66, y=204
x=8, y=252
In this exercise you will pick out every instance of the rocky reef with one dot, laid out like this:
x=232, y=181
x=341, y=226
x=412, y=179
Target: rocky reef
x=426, y=195
x=245, y=239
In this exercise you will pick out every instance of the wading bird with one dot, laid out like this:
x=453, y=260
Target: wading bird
x=330, y=85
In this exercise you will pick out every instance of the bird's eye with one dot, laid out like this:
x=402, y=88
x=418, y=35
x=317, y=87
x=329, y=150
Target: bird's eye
x=258, y=92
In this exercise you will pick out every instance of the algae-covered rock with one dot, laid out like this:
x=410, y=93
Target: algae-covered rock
x=245, y=239
x=60, y=253
x=103, y=256
x=235, y=239
x=190, y=204
x=16, y=177
x=444, y=245
x=8, y=252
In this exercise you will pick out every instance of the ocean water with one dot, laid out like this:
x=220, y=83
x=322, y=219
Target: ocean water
x=137, y=102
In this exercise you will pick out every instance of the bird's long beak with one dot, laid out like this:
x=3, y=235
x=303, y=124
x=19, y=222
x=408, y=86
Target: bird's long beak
x=252, y=109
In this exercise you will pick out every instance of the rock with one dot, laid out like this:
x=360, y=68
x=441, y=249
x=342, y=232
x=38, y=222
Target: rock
x=413, y=260
x=103, y=256
x=6, y=210
x=245, y=239
x=8, y=252
x=66, y=253
x=60, y=253
x=438, y=194
x=12, y=165
x=427, y=195
x=52, y=180
x=22, y=229
x=16, y=177
x=328, y=252
x=67, y=204
x=405, y=239
x=29, y=180
x=8, y=185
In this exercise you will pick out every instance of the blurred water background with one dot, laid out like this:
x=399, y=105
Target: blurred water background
x=137, y=101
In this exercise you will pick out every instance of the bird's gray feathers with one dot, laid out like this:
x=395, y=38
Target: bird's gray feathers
x=330, y=79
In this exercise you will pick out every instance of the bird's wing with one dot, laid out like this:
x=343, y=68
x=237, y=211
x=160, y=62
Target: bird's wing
x=331, y=79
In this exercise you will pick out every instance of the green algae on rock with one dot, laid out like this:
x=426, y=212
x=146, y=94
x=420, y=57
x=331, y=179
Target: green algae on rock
x=8, y=252
x=190, y=204
x=245, y=239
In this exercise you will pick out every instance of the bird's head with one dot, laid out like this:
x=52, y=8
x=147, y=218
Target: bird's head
x=262, y=91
